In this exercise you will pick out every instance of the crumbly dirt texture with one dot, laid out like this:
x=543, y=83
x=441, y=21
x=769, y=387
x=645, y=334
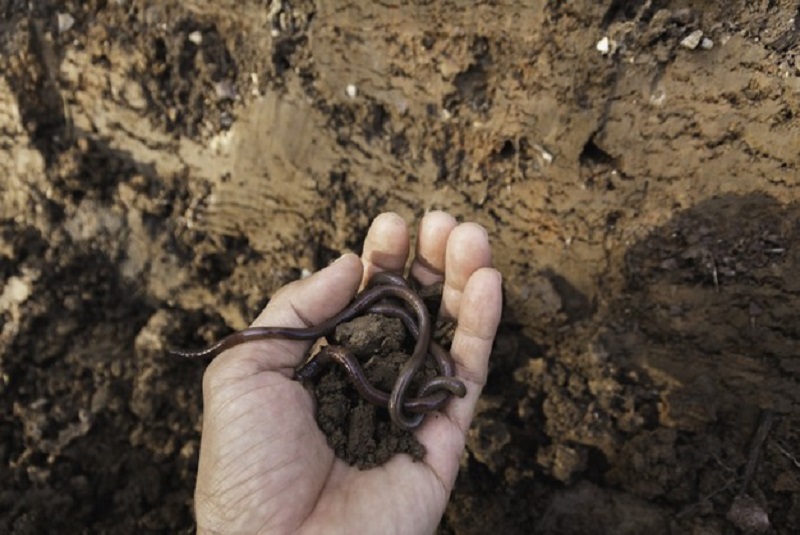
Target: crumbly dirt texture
x=166, y=166
x=359, y=432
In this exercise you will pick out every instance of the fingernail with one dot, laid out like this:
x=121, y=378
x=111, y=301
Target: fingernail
x=341, y=257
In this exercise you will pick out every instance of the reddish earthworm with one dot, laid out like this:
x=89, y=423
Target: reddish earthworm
x=357, y=307
x=440, y=355
x=441, y=385
x=433, y=393
x=426, y=402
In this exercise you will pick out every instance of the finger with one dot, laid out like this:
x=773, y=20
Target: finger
x=429, y=261
x=386, y=245
x=468, y=250
x=444, y=435
x=299, y=304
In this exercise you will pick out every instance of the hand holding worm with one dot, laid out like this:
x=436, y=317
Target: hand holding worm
x=381, y=286
x=266, y=467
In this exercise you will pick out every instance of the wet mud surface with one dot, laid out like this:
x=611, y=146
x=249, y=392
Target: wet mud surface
x=165, y=167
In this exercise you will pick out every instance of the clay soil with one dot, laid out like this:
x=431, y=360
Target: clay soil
x=166, y=166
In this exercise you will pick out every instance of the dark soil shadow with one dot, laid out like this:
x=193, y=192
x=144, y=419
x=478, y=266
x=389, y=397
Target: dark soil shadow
x=89, y=434
x=712, y=298
x=710, y=315
x=647, y=428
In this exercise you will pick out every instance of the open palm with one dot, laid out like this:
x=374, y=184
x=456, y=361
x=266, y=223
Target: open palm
x=265, y=467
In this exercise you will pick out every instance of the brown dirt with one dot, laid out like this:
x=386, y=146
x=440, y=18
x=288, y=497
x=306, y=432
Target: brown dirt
x=359, y=432
x=166, y=166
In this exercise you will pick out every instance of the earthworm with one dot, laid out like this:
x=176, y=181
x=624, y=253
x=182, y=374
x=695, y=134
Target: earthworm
x=381, y=285
x=316, y=364
x=440, y=355
x=358, y=306
x=433, y=392
x=441, y=385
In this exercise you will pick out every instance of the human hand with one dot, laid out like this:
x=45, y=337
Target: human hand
x=265, y=467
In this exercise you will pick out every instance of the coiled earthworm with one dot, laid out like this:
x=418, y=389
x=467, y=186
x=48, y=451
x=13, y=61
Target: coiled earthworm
x=432, y=395
x=433, y=392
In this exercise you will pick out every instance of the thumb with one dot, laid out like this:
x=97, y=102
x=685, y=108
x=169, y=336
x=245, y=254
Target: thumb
x=299, y=304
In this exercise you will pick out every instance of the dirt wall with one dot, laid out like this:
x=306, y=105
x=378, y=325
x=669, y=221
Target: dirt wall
x=166, y=166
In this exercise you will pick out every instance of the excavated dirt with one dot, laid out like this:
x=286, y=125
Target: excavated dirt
x=166, y=166
x=357, y=431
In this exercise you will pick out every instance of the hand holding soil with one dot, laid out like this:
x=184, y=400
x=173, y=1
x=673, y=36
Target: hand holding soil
x=264, y=463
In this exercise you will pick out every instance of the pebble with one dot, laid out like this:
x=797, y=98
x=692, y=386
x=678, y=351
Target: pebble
x=225, y=90
x=693, y=40
x=65, y=22
x=15, y=292
x=606, y=46
x=747, y=515
x=196, y=37
x=225, y=120
x=351, y=91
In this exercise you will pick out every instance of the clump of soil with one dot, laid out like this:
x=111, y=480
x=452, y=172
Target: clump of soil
x=359, y=432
